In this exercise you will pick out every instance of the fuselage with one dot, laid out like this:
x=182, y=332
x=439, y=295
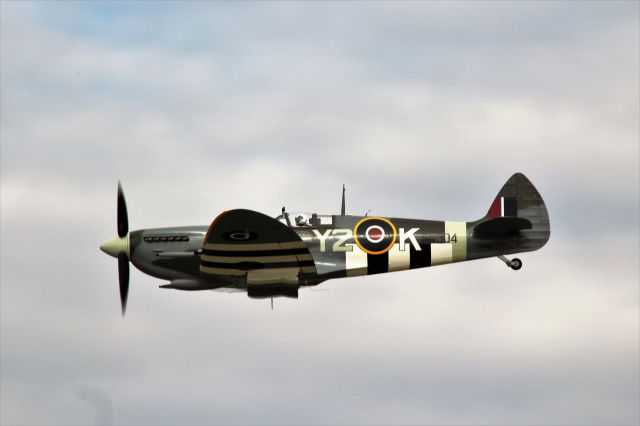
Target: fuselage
x=340, y=246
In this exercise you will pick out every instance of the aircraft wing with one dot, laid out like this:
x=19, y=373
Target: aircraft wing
x=245, y=244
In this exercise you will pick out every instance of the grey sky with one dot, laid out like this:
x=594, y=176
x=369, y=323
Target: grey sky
x=422, y=109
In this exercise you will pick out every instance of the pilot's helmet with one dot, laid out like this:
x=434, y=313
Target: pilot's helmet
x=301, y=219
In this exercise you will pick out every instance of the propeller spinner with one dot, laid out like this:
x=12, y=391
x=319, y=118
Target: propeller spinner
x=119, y=247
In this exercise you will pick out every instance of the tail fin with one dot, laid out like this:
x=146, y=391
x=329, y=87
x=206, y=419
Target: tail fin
x=517, y=221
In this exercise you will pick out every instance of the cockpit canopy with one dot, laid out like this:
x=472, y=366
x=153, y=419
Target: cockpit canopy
x=304, y=219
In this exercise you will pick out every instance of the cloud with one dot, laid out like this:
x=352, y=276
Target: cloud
x=423, y=110
x=99, y=400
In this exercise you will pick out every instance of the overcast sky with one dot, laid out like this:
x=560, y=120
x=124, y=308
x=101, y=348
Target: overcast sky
x=422, y=109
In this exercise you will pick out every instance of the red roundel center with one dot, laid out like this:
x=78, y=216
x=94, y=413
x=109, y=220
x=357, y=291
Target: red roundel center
x=375, y=234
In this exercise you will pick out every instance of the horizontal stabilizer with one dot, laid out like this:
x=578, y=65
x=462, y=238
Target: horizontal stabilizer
x=502, y=226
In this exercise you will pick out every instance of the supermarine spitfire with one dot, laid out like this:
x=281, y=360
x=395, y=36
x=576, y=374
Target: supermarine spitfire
x=271, y=257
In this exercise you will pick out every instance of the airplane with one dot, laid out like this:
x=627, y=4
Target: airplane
x=244, y=250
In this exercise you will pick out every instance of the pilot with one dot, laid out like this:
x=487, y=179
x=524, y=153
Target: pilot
x=301, y=220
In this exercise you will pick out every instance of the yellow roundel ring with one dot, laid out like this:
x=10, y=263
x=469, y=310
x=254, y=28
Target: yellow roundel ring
x=371, y=247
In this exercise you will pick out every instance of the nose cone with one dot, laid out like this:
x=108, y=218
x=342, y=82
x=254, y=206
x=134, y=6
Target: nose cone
x=116, y=245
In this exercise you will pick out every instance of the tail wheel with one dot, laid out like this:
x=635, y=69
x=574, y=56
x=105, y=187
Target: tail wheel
x=515, y=264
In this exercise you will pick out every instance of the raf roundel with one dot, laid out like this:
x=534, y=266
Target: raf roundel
x=239, y=235
x=375, y=235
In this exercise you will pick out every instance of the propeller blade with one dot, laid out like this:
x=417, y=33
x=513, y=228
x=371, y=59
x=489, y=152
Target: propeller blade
x=123, y=218
x=123, y=275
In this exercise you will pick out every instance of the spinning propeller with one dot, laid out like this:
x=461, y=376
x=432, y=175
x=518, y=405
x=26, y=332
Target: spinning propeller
x=119, y=247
